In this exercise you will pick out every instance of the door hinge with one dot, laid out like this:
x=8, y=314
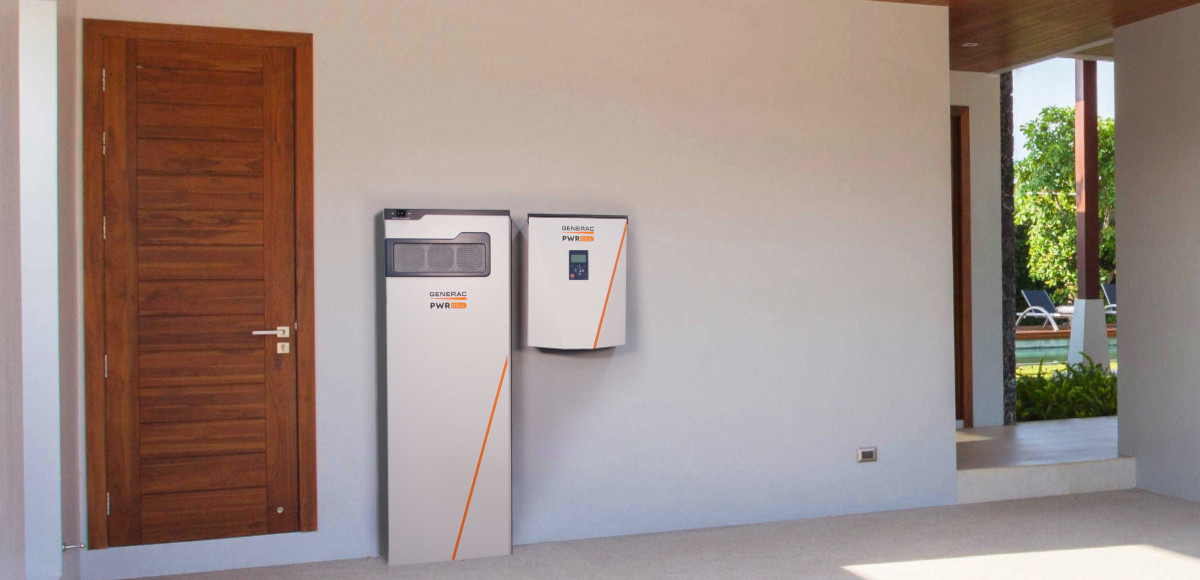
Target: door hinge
x=104, y=228
x=108, y=504
x=104, y=143
x=103, y=80
x=106, y=366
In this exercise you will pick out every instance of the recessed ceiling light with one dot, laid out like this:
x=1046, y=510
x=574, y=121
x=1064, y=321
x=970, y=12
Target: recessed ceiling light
x=970, y=44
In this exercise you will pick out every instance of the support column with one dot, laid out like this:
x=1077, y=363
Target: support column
x=1089, y=331
x=1009, y=256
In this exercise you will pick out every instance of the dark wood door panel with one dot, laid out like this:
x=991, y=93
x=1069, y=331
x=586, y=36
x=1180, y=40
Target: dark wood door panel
x=167, y=227
x=205, y=206
x=190, y=298
x=160, y=54
x=201, y=367
x=199, y=332
x=204, y=473
x=200, y=157
x=168, y=115
x=199, y=87
x=200, y=192
x=202, y=515
x=180, y=132
x=202, y=403
x=200, y=263
x=203, y=438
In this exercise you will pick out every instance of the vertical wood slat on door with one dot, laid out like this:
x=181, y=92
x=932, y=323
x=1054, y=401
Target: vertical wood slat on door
x=280, y=274
x=306, y=376
x=121, y=293
x=93, y=287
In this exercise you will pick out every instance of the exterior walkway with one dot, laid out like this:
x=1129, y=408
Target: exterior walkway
x=1105, y=536
x=1038, y=443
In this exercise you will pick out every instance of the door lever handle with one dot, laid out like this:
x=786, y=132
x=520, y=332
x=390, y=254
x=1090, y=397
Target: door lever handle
x=280, y=331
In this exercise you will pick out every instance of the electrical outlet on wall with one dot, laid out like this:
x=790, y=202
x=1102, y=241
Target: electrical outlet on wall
x=868, y=454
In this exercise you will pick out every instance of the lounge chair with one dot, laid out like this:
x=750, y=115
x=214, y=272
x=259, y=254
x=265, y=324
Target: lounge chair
x=1042, y=306
x=1110, y=294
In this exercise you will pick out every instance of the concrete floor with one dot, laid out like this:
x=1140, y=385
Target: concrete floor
x=1038, y=443
x=1118, y=535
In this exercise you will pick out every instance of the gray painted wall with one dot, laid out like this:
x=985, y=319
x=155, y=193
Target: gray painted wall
x=1158, y=172
x=70, y=289
x=12, y=468
x=788, y=253
x=981, y=92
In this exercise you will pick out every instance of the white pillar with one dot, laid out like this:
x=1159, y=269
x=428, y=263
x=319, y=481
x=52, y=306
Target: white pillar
x=1089, y=333
x=38, y=94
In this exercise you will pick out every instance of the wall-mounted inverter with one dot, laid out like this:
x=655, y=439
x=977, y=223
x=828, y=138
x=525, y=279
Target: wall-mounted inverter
x=448, y=313
x=575, y=281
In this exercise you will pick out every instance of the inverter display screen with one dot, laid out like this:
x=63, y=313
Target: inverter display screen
x=577, y=267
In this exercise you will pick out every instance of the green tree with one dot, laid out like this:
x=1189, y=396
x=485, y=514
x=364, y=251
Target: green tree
x=1045, y=203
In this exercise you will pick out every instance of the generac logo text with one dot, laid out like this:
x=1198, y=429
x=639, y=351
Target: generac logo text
x=579, y=233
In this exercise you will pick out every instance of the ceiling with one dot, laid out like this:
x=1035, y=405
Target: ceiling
x=1011, y=33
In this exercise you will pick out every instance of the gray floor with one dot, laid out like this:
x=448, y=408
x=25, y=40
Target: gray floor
x=1118, y=535
x=1038, y=443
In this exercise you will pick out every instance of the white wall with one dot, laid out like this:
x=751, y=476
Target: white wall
x=784, y=167
x=1158, y=249
x=981, y=92
x=39, y=287
x=12, y=468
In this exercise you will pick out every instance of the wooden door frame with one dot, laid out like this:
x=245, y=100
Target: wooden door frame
x=963, y=319
x=94, y=33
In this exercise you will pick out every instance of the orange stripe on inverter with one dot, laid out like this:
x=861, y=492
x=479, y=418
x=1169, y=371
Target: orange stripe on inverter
x=610, y=283
x=480, y=461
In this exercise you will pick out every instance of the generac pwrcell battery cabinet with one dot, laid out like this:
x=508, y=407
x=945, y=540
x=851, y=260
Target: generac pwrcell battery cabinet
x=575, y=280
x=448, y=313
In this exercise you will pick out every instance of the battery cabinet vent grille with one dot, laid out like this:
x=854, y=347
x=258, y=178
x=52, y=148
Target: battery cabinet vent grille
x=440, y=258
x=469, y=257
x=410, y=258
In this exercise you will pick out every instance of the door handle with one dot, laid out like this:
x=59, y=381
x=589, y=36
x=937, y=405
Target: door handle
x=280, y=332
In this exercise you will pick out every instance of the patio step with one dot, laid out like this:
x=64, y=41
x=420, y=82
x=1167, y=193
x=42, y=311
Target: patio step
x=1029, y=481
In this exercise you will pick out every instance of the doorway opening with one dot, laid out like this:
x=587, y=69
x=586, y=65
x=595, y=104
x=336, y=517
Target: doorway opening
x=1061, y=435
x=960, y=163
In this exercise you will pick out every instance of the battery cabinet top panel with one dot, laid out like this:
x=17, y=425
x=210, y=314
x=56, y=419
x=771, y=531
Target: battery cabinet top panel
x=575, y=276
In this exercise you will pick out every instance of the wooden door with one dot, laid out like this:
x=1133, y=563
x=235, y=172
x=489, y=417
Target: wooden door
x=960, y=162
x=199, y=207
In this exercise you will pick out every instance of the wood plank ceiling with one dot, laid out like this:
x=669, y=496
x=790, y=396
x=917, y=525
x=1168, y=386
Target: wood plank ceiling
x=1011, y=33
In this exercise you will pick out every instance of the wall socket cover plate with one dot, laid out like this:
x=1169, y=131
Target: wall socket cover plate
x=868, y=454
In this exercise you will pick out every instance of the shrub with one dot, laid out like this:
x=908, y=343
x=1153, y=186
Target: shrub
x=1081, y=390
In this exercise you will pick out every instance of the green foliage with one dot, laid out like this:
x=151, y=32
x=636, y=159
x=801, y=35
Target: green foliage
x=1045, y=204
x=1079, y=391
x=1024, y=280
